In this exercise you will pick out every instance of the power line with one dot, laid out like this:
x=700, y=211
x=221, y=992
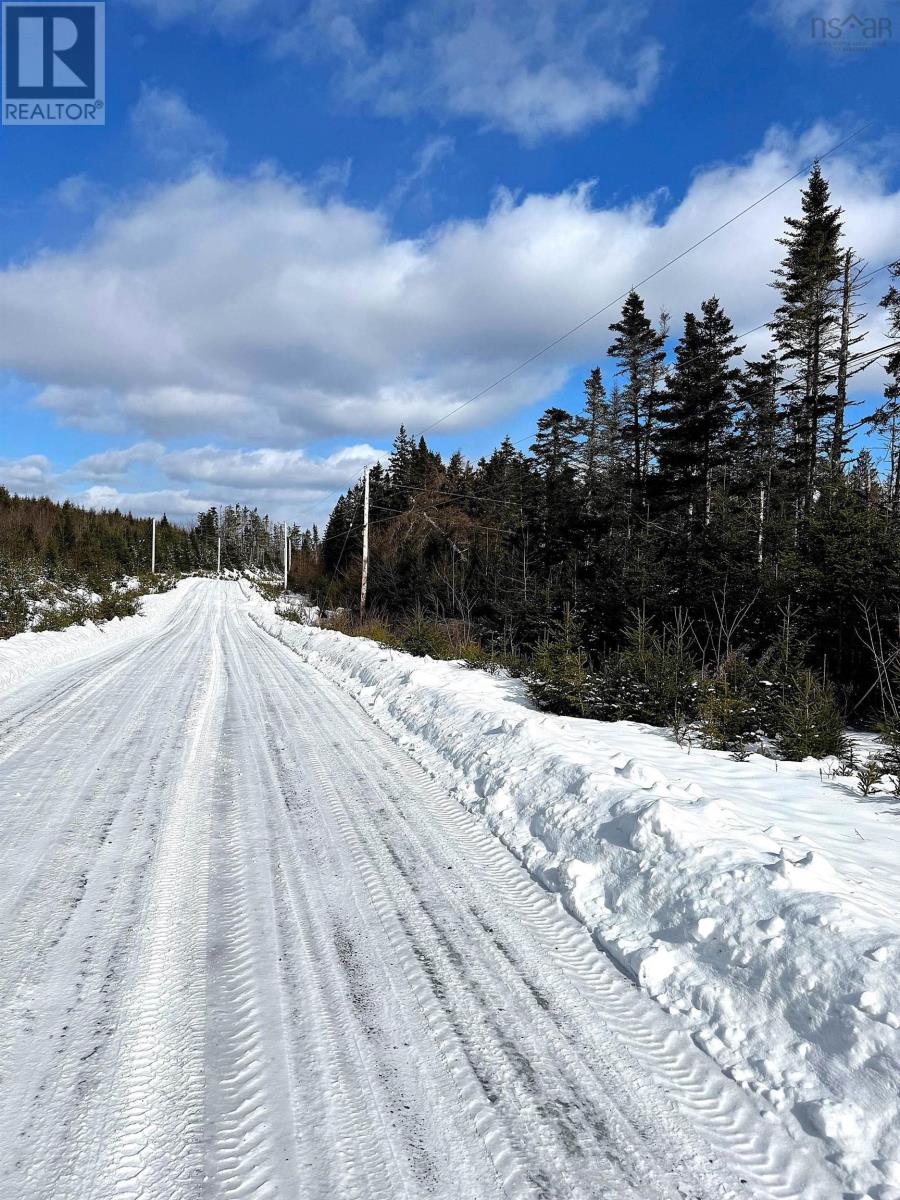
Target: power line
x=341, y=554
x=653, y=274
x=640, y=283
x=406, y=487
x=517, y=504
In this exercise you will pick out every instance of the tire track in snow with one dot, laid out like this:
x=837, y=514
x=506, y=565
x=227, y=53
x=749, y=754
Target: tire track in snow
x=678, y=1087
x=500, y=1073
x=249, y=1127
x=154, y=1150
x=77, y=961
x=344, y=1146
x=273, y=958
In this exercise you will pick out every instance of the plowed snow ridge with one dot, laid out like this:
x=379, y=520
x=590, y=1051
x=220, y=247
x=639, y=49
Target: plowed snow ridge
x=250, y=948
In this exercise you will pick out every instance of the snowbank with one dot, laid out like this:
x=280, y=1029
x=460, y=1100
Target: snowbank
x=759, y=902
x=27, y=654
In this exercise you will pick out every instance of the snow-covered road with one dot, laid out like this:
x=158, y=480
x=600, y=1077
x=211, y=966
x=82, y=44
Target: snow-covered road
x=249, y=948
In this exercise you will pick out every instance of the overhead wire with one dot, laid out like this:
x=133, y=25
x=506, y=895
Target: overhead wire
x=646, y=279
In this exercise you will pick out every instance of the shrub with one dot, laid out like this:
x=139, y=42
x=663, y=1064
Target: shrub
x=74, y=613
x=339, y=620
x=423, y=637
x=558, y=679
x=268, y=591
x=869, y=775
x=13, y=612
x=493, y=662
x=115, y=604
x=889, y=735
x=653, y=679
x=377, y=629
x=729, y=706
x=810, y=719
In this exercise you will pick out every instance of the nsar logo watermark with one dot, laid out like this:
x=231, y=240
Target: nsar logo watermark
x=852, y=33
x=54, y=64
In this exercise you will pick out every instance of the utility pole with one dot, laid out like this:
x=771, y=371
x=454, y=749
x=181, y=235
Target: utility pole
x=153, y=547
x=219, y=558
x=363, y=587
x=285, y=555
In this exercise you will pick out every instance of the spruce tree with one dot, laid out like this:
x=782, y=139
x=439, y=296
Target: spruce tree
x=696, y=421
x=638, y=349
x=556, y=450
x=593, y=420
x=806, y=326
x=601, y=467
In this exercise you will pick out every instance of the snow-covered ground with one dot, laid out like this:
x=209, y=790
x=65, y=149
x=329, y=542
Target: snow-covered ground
x=757, y=902
x=249, y=947
x=29, y=653
x=38, y=599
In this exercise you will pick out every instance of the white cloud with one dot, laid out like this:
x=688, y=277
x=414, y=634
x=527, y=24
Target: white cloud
x=287, y=484
x=269, y=471
x=178, y=505
x=256, y=310
x=170, y=132
x=114, y=464
x=533, y=68
x=434, y=151
x=30, y=476
x=75, y=192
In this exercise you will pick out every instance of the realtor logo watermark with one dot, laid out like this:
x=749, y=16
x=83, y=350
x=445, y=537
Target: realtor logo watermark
x=54, y=64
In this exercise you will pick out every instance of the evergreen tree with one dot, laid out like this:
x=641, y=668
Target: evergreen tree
x=601, y=448
x=696, y=421
x=806, y=326
x=557, y=451
x=638, y=349
x=593, y=422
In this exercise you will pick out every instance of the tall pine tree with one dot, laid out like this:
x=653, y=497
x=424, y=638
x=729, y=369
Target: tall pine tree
x=807, y=323
x=638, y=349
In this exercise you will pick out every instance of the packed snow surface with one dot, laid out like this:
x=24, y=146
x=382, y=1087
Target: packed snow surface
x=757, y=902
x=251, y=948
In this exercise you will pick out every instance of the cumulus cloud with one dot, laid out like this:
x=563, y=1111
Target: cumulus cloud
x=270, y=471
x=286, y=484
x=30, y=476
x=257, y=310
x=114, y=464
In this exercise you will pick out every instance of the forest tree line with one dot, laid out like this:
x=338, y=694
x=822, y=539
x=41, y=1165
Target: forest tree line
x=62, y=540
x=706, y=525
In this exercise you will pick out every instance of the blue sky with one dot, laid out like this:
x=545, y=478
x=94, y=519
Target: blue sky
x=306, y=222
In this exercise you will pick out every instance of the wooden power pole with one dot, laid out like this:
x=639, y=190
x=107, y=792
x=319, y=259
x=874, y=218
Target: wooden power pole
x=285, y=555
x=363, y=587
x=153, y=547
